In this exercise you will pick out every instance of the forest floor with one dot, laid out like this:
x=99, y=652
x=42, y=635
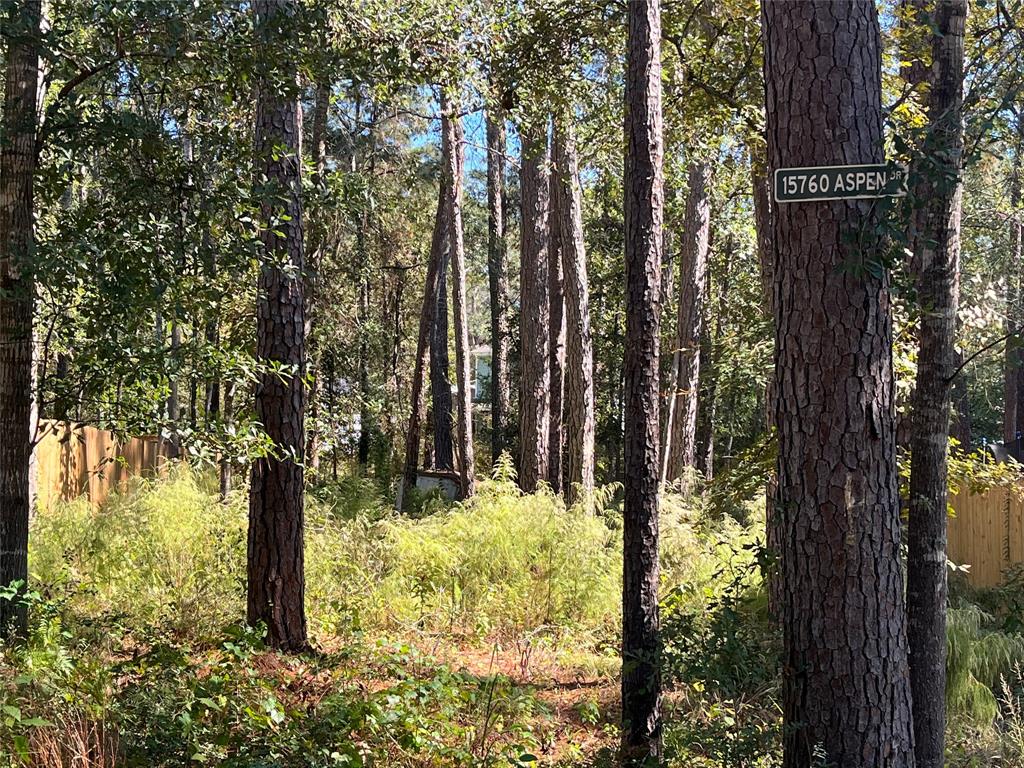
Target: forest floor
x=483, y=636
x=582, y=707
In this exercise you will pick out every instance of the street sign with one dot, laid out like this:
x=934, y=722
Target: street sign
x=840, y=182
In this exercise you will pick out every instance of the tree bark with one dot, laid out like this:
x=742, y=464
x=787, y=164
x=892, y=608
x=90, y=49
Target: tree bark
x=1013, y=371
x=276, y=579
x=497, y=280
x=693, y=264
x=763, y=227
x=556, y=348
x=846, y=692
x=935, y=242
x=417, y=401
x=363, y=321
x=318, y=148
x=441, y=406
x=961, y=426
x=579, y=362
x=452, y=126
x=534, y=312
x=644, y=211
x=226, y=478
x=766, y=253
x=17, y=298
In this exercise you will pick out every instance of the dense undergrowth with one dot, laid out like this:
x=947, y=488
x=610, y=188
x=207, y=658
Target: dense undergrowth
x=137, y=656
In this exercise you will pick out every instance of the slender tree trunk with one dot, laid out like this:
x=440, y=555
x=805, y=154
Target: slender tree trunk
x=226, y=462
x=363, y=320
x=497, y=279
x=846, y=691
x=534, y=312
x=692, y=289
x=579, y=362
x=709, y=340
x=417, y=413
x=276, y=579
x=961, y=426
x=452, y=125
x=173, y=402
x=556, y=349
x=440, y=385
x=17, y=295
x=936, y=265
x=318, y=146
x=1012, y=368
x=764, y=230
x=644, y=204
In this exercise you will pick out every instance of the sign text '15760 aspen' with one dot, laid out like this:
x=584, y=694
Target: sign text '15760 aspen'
x=840, y=182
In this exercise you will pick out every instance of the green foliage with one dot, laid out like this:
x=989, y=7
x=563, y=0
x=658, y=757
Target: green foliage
x=979, y=653
x=503, y=563
x=230, y=703
x=166, y=553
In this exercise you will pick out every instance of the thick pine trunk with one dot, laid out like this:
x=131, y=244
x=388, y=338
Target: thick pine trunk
x=556, y=348
x=693, y=267
x=533, y=312
x=497, y=281
x=17, y=242
x=276, y=579
x=935, y=242
x=579, y=359
x=452, y=127
x=846, y=691
x=644, y=210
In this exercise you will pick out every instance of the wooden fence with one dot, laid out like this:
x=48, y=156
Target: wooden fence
x=987, y=533
x=73, y=460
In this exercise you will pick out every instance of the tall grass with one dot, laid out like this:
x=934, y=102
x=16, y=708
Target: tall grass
x=504, y=564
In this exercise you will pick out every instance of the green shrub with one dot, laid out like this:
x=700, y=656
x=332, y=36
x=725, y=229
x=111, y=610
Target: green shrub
x=503, y=562
x=979, y=654
x=166, y=552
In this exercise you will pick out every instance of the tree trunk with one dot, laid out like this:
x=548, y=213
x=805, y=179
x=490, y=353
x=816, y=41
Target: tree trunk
x=579, y=362
x=363, y=320
x=17, y=245
x=766, y=253
x=556, y=349
x=1013, y=419
x=318, y=147
x=644, y=210
x=497, y=280
x=763, y=227
x=417, y=401
x=440, y=385
x=276, y=584
x=689, y=321
x=709, y=340
x=961, y=426
x=452, y=125
x=173, y=402
x=533, y=312
x=935, y=242
x=226, y=462
x=846, y=692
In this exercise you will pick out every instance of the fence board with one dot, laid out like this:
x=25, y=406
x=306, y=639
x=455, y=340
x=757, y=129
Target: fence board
x=987, y=533
x=74, y=460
